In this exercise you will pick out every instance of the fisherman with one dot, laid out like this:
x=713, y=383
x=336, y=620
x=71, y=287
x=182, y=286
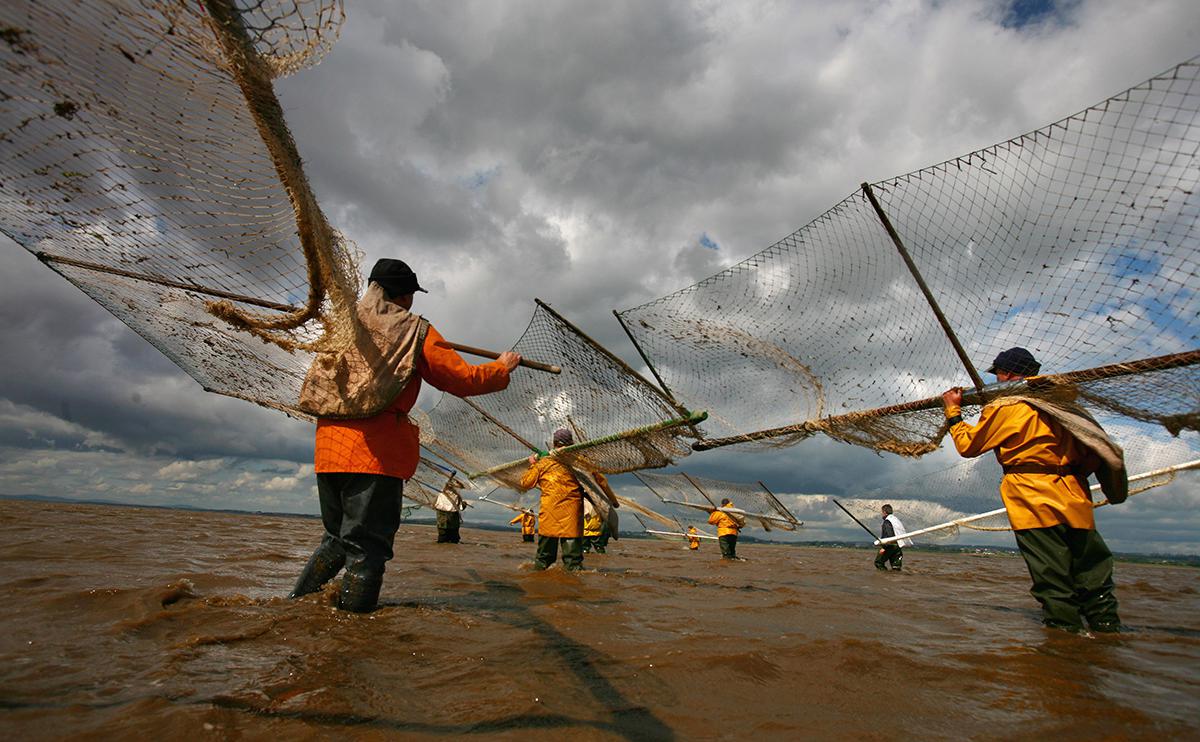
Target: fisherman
x=891, y=553
x=560, y=518
x=449, y=517
x=728, y=525
x=527, y=522
x=593, y=526
x=362, y=462
x=693, y=538
x=607, y=530
x=1047, y=449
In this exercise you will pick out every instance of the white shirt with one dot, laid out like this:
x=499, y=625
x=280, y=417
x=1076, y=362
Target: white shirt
x=899, y=530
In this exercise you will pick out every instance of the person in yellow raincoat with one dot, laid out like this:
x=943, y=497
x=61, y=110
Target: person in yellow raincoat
x=560, y=516
x=693, y=539
x=527, y=522
x=593, y=527
x=728, y=525
x=1046, y=495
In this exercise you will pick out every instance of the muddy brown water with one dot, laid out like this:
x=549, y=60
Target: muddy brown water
x=120, y=623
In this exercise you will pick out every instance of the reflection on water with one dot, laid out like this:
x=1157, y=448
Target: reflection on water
x=122, y=621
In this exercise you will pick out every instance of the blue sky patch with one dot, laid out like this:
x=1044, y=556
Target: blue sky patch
x=706, y=241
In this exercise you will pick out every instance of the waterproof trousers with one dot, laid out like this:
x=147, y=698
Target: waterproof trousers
x=527, y=537
x=889, y=553
x=1072, y=572
x=361, y=513
x=448, y=524
x=547, y=552
x=728, y=546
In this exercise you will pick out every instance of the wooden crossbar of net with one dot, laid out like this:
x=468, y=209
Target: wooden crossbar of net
x=146, y=160
x=1078, y=241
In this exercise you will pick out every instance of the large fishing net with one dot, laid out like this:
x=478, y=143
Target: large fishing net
x=1077, y=241
x=753, y=501
x=146, y=159
x=432, y=480
x=620, y=421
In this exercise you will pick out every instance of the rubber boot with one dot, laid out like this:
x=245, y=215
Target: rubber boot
x=360, y=589
x=326, y=561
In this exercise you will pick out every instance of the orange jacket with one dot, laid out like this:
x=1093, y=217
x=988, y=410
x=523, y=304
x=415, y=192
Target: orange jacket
x=726, y=524
x=387, y=443
x=526, y=521
x=1019, y=435
x=561, y=513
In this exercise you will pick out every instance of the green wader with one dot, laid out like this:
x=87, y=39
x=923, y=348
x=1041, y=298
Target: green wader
x=448, y=524
x=889, y=553
x=547, y=552
x=728, y=546
x=1072, y=572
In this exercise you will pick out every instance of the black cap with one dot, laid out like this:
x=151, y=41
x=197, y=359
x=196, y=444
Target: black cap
x=395, y=277
x=1016, y=361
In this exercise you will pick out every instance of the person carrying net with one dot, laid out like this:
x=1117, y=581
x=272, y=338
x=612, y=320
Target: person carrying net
x=1047, y=449
x=560, y=515
x=361, y=462
x=892, y=553
x=728, y=526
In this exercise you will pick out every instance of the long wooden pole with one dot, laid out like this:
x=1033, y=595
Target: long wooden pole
x=514, y=434
x=970, y=397
x=778, y=504
x=613, y=357
x=856, y=520
x=637, y=346
x=52, y=260
x=916, y=274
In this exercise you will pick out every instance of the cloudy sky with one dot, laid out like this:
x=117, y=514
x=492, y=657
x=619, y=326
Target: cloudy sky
x=595, y=155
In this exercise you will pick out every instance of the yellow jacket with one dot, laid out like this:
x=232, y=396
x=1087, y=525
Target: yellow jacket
x=526, y=521
x=592, y=524
x=561, y=512
x=726, y=524
x=1019, y=435
x=693, y=539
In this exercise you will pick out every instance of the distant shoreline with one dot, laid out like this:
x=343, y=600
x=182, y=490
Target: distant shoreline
x=1166, y=560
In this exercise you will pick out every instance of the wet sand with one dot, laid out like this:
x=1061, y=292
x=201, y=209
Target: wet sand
x=126, y=622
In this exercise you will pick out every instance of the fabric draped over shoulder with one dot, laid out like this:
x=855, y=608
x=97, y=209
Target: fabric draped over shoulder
x=1111, y=473
x=363, y=379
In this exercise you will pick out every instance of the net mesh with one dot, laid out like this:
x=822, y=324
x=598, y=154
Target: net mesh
x=596, y=396
x=431, y=480
x=146, y=160
x=1077, y=241
x=702, y=493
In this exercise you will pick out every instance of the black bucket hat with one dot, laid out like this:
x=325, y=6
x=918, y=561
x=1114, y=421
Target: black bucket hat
x=1016, y=361
x=396, y=278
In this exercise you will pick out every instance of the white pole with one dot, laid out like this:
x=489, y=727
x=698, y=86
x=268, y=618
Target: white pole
x=1195, y=464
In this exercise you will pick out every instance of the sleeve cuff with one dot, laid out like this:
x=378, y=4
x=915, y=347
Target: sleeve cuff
x=954, y=419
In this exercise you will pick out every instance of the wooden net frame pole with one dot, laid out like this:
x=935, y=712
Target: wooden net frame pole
x=912, y=268
x=637, y=346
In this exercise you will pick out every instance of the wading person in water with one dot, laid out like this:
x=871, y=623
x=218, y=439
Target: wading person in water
x=362, y=462
x=449, y=517
x=560, y=516
x=527, y=522
x=1047, y=450
x=728, y=525
x=693, y=538
x=893, y=552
